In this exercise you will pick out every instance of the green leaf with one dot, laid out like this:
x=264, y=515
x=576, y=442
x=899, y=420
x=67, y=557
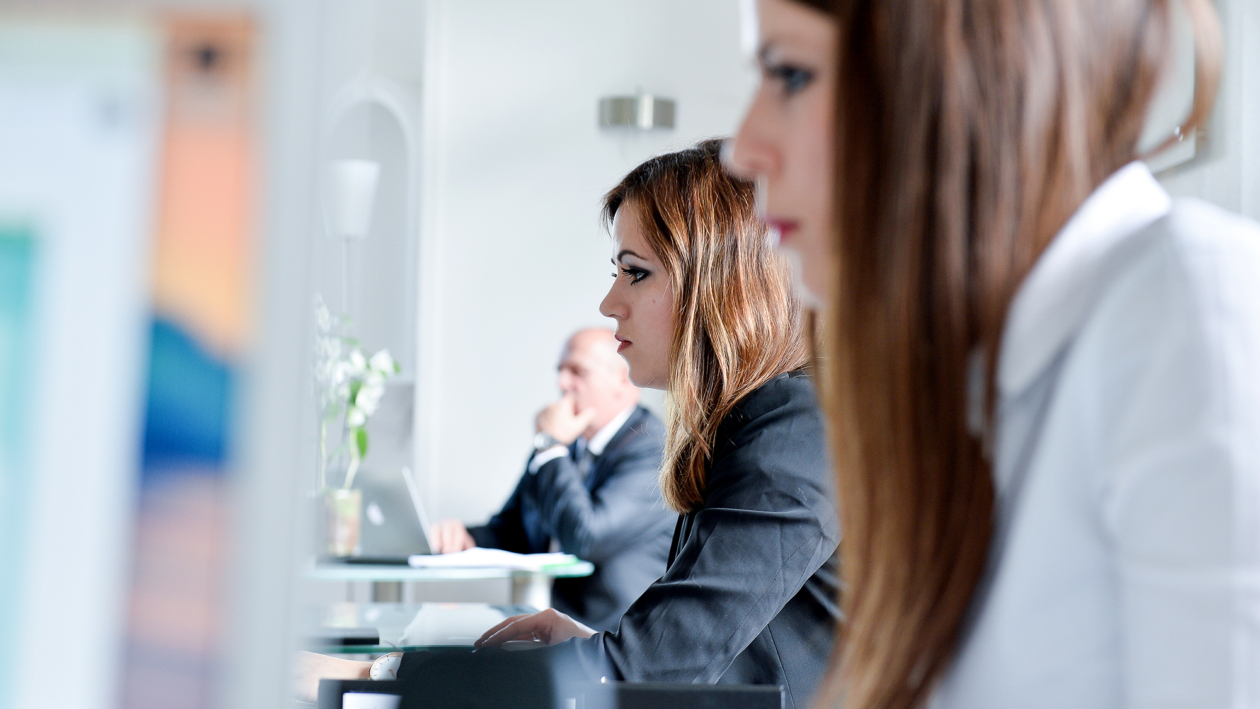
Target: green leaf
x=355, y=386
x=360, y=441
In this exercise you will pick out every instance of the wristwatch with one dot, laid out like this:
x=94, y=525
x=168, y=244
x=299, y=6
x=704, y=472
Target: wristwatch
x=386, y=666
x=544, y=440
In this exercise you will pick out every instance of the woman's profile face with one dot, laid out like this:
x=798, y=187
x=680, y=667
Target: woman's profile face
x=641, y=300
x=785, y=141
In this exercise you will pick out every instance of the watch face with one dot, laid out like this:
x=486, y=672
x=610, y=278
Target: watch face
x=386, y=667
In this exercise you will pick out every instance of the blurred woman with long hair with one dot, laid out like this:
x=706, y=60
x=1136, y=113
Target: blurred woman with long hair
x=1040, y=371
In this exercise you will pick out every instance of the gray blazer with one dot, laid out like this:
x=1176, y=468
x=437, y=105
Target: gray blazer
x=750, y=595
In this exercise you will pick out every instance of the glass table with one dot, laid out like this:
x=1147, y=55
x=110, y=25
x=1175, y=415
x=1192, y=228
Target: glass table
x=528, y=587
x=402, y=626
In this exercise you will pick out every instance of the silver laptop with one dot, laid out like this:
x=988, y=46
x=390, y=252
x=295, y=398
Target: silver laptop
x=393, y=525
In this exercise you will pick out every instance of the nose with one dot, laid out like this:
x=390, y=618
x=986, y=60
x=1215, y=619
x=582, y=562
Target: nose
x=613, y=306
x=565, y=381
x=751, y=154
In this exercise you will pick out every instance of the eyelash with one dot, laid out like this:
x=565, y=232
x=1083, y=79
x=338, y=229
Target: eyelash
x=793, y=79
x=636, y=274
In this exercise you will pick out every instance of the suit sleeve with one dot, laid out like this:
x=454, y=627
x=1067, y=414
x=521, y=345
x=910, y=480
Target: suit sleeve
x=598, y=525
x=767, y=526
x=506, y=530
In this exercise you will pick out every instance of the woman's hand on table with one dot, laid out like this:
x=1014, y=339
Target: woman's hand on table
x=309, y=668
x=545, y=628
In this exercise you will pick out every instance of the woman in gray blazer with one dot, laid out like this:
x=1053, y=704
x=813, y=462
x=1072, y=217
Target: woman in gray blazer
x=704, y=310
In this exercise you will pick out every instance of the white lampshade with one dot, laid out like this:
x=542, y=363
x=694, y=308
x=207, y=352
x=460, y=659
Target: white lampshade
x=348, y=199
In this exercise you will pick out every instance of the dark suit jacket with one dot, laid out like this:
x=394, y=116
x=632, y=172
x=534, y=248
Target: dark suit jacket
x=614, y=519
x=750, y=595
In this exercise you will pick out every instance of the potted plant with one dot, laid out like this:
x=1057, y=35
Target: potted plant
x=348, y=386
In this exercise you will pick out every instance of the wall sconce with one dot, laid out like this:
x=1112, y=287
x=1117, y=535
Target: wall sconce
x=643, y=112
x=348, y=198
x=351, y=192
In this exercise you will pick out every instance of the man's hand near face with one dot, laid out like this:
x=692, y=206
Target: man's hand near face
x=563, y=421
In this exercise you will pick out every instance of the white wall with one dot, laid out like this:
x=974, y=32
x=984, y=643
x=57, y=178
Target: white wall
x=513, y=257
x=369, y=75
x=1227, y=170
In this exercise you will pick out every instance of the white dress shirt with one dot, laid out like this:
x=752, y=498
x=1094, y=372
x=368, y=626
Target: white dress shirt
x=596, y=445
x=1125, y=569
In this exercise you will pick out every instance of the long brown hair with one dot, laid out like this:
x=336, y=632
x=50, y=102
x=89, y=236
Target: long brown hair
x=967, y=133
x=737, y=324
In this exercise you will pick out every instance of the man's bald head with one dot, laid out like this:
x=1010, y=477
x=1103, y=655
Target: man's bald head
x=600, y=343
x=595, y=376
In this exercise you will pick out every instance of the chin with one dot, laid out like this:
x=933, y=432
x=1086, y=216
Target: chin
x=643, y=383
x=811, y=296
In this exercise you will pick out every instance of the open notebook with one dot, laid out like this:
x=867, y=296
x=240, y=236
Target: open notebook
x=479, y=558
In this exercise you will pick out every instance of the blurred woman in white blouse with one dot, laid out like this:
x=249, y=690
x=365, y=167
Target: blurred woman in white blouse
x=1043, y=373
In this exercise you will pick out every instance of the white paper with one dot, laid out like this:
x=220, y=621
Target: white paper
x=361, y=700
x=479, y=558
x=437, y=624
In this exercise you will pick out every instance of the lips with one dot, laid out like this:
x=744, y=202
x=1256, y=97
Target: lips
x=782, y=228
x=622, y=343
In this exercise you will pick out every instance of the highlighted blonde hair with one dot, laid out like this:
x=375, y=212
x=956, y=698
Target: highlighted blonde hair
x=738, y=323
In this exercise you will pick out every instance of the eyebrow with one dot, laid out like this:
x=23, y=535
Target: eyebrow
x=775, y=44
x=627, y=252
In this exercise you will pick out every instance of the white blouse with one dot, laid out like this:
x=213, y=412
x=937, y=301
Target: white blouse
x=1125, y=569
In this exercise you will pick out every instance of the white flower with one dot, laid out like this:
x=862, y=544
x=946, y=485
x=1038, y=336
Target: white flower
x=356, y=417
x=358, y=363
x=340, y=368
x=383, y=362
x=323, y=318
x=343, y=372
x=370, y=393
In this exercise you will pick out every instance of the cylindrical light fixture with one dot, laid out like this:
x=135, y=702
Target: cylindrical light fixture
x=643, y=112
x=351, y=192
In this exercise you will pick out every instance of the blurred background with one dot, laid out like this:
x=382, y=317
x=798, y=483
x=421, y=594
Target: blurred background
x=180, y=181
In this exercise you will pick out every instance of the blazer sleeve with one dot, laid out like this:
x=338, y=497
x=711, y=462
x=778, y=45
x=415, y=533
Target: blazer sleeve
x=767, y=526
x=506, y=530
x=597, y=525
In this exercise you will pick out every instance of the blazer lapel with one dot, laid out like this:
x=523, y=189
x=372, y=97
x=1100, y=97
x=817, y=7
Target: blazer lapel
x=601, y=468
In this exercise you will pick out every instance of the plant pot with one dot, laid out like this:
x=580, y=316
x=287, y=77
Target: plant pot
x=340, y=512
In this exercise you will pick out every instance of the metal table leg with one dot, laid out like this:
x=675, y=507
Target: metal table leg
x=387, y=591
x=532, y=590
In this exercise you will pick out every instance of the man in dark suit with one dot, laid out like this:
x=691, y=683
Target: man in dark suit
x=590, y=487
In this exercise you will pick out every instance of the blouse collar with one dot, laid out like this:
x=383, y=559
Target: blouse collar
x=1053, y=302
